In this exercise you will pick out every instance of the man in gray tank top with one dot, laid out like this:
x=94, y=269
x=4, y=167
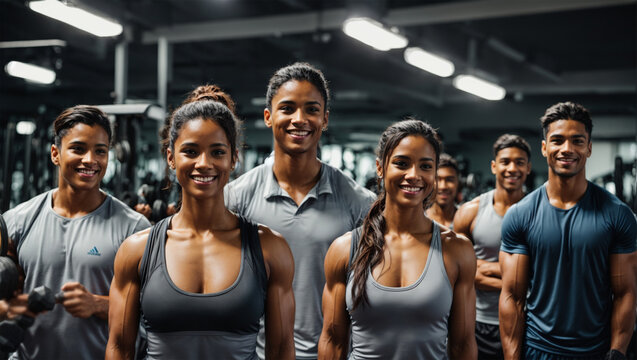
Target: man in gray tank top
x=481, y=220
x=67, y=238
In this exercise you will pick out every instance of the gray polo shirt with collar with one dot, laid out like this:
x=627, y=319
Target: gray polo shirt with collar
x=334, y=206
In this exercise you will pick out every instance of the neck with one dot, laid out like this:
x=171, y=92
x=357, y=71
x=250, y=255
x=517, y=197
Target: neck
x=566, y=190
x=443, y=215
x=507, y=197
x=70, y=202
x=204, y=214
x=296, y=170
x=400, y=219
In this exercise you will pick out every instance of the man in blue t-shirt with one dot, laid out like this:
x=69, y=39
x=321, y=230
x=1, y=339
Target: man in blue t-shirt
x=568, y=283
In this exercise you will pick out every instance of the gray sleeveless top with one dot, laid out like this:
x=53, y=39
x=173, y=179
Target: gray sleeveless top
x=486, y=243
x=403, y=322
x=184, y=325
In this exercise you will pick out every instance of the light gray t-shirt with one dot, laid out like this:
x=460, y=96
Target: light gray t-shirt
x=487, y=237
x=334, y=206
x=53, y=250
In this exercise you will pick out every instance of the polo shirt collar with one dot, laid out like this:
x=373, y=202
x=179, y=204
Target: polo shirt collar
x=272, y=188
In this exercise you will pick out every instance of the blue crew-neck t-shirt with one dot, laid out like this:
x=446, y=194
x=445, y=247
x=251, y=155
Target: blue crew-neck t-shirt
x=569, y=299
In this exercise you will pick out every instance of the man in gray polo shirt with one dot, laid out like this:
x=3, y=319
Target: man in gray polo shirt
x=67, y=238
x=309, y=202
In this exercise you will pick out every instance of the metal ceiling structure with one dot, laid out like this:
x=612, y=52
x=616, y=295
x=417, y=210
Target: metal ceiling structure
x=540, y=51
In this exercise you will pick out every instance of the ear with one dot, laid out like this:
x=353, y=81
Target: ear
x=55, y=155
x=266, y=117
x=379, y=169
x=493, y=167
x=529, y=167
x=170, y=158
x=326, y=120
x=590, y=148
x=544, y=148
x=235, y=158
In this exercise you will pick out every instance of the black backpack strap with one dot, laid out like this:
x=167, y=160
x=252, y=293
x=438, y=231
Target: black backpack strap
x=152, y=251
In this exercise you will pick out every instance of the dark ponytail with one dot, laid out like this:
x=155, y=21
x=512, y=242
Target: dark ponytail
x=372, y=240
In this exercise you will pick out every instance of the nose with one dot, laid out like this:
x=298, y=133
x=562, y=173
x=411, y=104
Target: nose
x=412, y=173
x=512, y=166
x=89, y=158
x=203, y=161
x=567, y=146
x=442, y=183
x=297, y=117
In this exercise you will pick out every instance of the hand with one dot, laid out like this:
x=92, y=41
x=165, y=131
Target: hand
x=78, y=301
x=144, y=209
x=15, y=306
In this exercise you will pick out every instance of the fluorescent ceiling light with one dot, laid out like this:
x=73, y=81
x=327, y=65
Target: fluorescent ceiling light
x=25, y=127
x=429, y=62
x=30, y=72
x=79, y=18
x=479, y=87
x=373, y=34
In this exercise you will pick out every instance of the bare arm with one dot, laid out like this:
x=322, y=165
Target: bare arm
x=462, y=343
x=123, y=314
x=515, y=277
x=623, y=284
x=279, y=312
x=334, y=341
x=81, y=303
x=488, y=276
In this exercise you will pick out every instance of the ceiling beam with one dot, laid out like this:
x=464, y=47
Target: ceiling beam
x=333, y=19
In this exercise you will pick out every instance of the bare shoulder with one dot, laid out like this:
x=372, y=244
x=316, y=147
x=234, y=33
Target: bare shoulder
x=135, y=244
x=469, y=210
x=271, y=240
x=458, y=248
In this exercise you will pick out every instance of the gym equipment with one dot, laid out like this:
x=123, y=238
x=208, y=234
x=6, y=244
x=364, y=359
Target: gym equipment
x=9, y=275
x=12, y=331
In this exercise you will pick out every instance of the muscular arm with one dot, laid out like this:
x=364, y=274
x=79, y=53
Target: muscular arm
x=334, y=341
x=623, y=284
x=515, y=277
x=81, y=303
x=461, y=343
x=279, y=312
x=123, y=314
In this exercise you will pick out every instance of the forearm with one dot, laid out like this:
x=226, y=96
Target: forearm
x=100, y=306
x=622, y=322
x=512, y=324
x=330, y=349
x=488, y=283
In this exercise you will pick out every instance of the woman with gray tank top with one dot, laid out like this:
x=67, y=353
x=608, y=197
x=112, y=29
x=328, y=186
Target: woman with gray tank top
x=202, y=279
x=398, y=285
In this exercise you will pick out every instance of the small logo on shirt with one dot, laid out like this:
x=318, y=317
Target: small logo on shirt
x=94, y=251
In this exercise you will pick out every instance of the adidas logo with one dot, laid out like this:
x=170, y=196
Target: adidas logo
x=94, y=251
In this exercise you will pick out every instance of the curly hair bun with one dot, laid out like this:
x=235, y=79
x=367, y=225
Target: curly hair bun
x=210, y=92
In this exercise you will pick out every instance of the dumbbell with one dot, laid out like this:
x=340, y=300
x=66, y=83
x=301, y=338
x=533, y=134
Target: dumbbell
x=8, y=269
x=12, y=331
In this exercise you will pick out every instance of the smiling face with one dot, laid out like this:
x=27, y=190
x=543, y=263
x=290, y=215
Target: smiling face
x=511, y=167
x=297, y=118
x=566, y=148
x=82, y=157
x=410, y=171
x=202, y=158
x=447, y=179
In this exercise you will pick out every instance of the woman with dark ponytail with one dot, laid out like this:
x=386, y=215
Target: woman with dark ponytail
x=202, y=279
x=403, y=284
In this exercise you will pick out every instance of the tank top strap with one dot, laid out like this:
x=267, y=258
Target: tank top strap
x=436, y=244
x=356, y=235
x=152, y=253
x=251, y=245
x=486, y=199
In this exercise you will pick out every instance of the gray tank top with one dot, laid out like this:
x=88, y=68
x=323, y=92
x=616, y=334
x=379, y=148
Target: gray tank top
x=486, y=243
x=184, y=325
x=403, y=322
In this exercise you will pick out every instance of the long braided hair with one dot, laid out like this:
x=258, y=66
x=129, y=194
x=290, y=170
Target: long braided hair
x=372, y=240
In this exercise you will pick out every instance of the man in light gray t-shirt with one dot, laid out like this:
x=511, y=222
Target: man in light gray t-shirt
x=307, y=201
x=67, y=238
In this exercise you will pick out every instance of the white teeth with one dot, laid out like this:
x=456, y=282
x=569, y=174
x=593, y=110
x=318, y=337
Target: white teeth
x=410, y=188
x=86, y=171
x=299, y=132
x=203, y=178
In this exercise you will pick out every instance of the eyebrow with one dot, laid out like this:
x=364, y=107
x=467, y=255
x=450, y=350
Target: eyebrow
x=306, y=103
x=196, y=144
x=407, y=157
x=77, y=142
